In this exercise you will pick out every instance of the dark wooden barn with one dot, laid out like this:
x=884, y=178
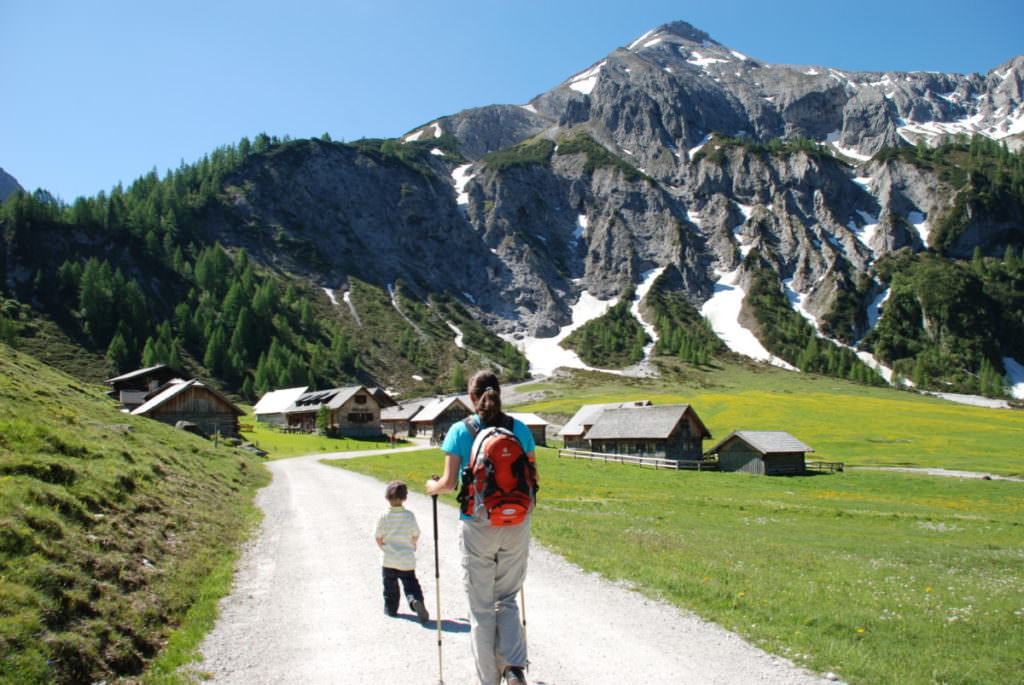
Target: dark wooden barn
x=131, y=389
x=671, y=431
x=768, y=453
x=193, y=402
x=437, y=416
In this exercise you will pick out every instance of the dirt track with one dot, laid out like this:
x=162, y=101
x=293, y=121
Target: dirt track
x=307, y=608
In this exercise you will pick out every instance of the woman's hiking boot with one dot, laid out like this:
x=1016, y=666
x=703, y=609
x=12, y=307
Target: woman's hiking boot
x=514, y=676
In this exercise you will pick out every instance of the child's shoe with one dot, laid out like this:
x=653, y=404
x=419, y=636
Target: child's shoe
x=421, y=611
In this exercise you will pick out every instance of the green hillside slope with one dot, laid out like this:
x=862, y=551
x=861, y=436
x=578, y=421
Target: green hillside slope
x=109, y=524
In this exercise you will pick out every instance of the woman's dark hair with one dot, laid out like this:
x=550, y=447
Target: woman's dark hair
x=485, y=388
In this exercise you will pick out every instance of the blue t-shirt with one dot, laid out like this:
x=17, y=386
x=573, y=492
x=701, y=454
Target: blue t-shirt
x=458, y=441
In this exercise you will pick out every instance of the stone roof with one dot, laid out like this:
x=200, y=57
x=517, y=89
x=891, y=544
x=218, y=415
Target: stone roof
x=176, y=387
x=149, y=370
x=277, y=401
x=766, y=442
x=652, y=423
x=400, y=412
x=436, y=407
x=587, y=414
x=332, y=398
x=527, y=418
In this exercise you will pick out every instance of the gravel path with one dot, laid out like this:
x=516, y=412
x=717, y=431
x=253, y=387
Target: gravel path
x=306, y=606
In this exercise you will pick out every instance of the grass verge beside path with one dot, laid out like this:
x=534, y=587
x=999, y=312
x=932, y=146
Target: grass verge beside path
x=880, y=577
x=111, y=527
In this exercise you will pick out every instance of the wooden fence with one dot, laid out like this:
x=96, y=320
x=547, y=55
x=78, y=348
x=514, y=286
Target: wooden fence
x=655, y=462
x=825, y=466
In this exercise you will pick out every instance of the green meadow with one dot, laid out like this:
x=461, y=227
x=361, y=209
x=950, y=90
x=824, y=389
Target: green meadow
x=842, y=421
x=280, y=445
x=878, y=576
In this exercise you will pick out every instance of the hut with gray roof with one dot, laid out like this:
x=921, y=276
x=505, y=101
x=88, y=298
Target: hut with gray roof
x=182, y=402
x=671, y=431
x=271, y=408
x=769, y=453
x=351, y=411
x=439, y=414
x=574, y=433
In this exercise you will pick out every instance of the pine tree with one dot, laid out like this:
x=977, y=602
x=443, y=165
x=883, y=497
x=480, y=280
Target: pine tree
x=458, y=381
x=215, y=356
x=117, y=353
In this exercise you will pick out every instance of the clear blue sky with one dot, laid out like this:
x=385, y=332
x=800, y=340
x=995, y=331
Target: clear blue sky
x=100, y=92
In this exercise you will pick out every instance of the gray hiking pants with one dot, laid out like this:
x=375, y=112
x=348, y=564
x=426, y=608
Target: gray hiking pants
x=493, y=570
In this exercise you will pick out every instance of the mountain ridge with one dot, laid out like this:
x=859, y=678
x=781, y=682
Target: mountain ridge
x=675, y=151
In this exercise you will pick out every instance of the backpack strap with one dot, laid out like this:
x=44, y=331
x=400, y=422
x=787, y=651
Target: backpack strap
x=504, y=421
x=471, y=425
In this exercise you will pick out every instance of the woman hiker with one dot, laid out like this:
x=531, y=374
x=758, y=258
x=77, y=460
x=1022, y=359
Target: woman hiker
x=493, y=557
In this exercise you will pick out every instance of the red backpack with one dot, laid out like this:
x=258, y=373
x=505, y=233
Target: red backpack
x=500, y=483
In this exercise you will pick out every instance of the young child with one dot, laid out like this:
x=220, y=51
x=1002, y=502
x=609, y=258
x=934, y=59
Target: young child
x=397, y=533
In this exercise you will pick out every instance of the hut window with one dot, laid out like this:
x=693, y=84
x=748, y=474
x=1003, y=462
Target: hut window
x=360, y=399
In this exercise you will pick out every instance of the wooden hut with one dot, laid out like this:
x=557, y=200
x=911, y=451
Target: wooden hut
x=192, y=402
x=351, y=411
x=574, y=433
x=383, y=397
x=769, y=453
x=438, y=415
x=537, y=425
x=671, y=431
x=131, y=389
x=396, y=421
x=272, y=406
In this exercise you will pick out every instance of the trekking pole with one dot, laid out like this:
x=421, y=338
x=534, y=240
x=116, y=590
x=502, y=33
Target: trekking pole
x=437, y=594
x=522, y=603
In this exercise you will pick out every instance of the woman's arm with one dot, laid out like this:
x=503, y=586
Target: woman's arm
x=449, y=479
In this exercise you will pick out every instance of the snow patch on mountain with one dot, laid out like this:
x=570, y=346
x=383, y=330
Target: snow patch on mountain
x=347, y=297
x=696, y=148
x=585, y=82
x=796, y=300
x=697, y=59
x=833, y=140
x=546, y=354
x=461, y=176
x=582, y=222
x=722, y=309
x=1015, y=372
x=649, y=277
x=641, y=39
x=866, y=231
x=920, y=223
x=458, y=334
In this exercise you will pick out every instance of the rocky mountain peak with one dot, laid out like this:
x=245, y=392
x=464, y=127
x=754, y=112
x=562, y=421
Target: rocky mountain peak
x=677, y=29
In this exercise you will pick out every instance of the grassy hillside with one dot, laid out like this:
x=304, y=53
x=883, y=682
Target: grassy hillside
x=110, y=528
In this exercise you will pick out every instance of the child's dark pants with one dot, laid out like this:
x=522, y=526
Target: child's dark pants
x=409, y=584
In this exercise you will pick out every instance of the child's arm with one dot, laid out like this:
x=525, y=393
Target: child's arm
x=380, y=542
x=415, y=539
